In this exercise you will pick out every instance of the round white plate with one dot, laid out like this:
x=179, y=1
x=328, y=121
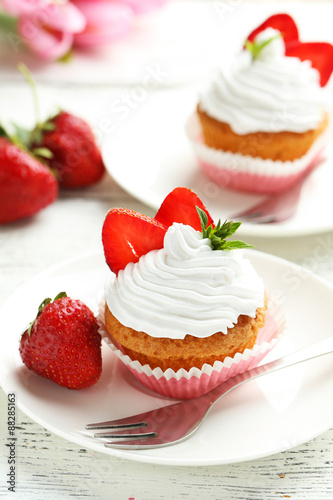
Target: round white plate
x=263, y=417
x=147, y=152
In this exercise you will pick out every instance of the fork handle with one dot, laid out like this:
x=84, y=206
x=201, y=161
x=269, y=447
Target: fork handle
x=310, y=352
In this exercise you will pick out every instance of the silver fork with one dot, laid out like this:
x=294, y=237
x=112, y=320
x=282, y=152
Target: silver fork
x=174, y=423
x=278, y=207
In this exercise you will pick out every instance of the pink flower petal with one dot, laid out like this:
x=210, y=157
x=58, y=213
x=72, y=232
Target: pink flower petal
x=46, y=44
x=144, y=6
x=106, y=22
x=19, y=7
x=61, y=16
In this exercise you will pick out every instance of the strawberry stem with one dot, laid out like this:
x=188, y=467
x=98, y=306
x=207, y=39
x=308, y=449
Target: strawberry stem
x=31, y=139
x=41, y=307
x=32, y=84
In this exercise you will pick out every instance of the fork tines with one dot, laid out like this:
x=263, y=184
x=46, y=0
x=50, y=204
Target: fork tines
x=125, y=437
x=112, y=425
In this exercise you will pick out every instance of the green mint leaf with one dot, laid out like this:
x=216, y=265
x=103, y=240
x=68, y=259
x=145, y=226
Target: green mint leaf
x=220, y=233
x=203, y=218
x=230, y=245
x=256, y=47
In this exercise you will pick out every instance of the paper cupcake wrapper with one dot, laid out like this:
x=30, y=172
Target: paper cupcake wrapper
x=246, y=173
x=187, y=384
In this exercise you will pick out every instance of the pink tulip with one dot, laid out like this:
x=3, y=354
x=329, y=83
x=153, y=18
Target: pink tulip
x=48, y=30
x=19, y=7
x=107, y=22
x=144, y=6
x=51, y=27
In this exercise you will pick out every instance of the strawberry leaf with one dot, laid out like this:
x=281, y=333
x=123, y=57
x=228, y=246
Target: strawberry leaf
x=220, y=232
x=3, y=132
x=43, y=152
x=41, y=307
x=22, y=135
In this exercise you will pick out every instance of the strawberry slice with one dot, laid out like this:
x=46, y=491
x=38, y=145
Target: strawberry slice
x=127, y=235
x=319, y=53
x=179, y=206
x=281, y=22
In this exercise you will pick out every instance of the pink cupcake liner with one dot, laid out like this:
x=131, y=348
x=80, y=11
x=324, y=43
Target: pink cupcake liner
x=248, y=174
x=187, y=384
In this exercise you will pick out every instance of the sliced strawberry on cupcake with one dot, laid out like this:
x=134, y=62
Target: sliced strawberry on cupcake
x=180, y=206
x=280, y=22
x=319, y=53
x=127, y=235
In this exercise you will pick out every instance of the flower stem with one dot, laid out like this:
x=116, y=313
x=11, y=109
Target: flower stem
x=7, y=23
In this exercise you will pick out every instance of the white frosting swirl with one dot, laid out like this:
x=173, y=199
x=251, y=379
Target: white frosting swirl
x=272, y=93
x=185, y=288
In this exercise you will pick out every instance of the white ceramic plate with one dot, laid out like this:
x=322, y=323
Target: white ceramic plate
x=148, y=154
x=260, y=418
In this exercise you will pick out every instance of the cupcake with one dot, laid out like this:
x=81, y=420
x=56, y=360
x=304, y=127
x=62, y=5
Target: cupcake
x=263, y=121
x=183, y=307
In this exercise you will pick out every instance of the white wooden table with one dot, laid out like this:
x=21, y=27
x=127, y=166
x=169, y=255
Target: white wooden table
x=49, y=466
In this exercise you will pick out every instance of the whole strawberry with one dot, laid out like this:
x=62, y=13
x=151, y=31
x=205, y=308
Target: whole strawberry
x=26, y=184
x=75, y=156
x=63, y=343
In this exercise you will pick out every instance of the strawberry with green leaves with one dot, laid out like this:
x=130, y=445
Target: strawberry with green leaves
x=63, y=343
x=65, y=143
x=75, y=155
x=127, y=235
x=26, y=185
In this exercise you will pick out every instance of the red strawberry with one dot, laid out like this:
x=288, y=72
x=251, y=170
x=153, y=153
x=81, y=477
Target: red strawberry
x=281, y=22
x=63, y=343
x=26, y=185
x=75, y=155
x=179, y=206
x=319, y=53
x=127, y=235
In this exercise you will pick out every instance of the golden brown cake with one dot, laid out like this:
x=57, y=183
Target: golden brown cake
x=188, y=352
x=282, y=146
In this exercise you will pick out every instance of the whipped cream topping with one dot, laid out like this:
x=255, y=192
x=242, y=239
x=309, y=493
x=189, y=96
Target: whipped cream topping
x=271, y=93
x=185, y=288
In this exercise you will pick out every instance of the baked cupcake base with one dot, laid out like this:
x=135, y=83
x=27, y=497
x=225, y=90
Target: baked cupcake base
x=186, y=384
x=248, y=173
x=189, y=352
